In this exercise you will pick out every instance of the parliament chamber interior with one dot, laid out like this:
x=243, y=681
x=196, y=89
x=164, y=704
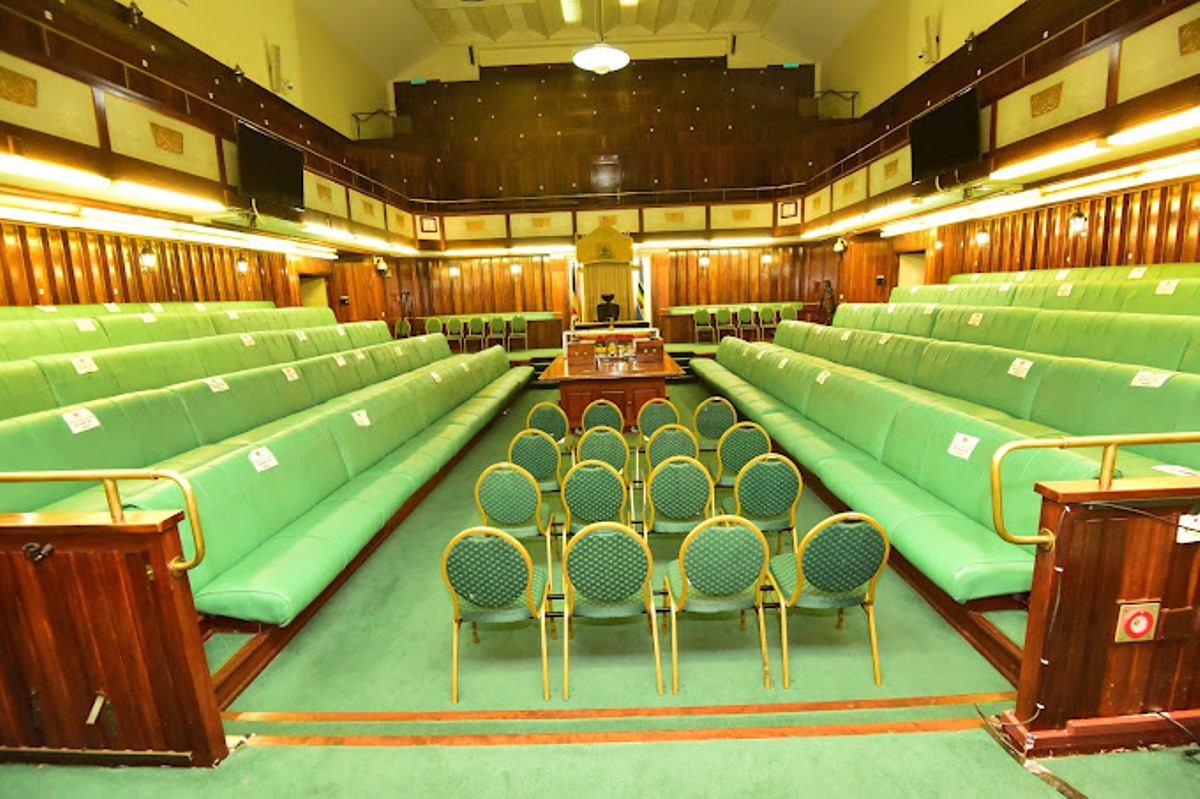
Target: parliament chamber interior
x=613, y=397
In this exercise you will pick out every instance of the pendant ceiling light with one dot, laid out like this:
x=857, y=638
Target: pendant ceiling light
x=601, y=58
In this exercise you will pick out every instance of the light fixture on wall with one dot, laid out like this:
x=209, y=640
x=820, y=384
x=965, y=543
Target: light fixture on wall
x=148, y=259
x=454, y=271
x=242, y=264
x=601, y=58
x=840, y=245
x=982, y=237
x=766, y=259
x=705, y=260
x=514, y=269
x=1077, y=224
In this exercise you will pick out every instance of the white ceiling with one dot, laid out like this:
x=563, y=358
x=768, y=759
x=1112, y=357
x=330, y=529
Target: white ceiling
x=394, y=36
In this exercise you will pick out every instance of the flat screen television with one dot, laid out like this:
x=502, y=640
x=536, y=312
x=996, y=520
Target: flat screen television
x=271, y=170
x=945, y=137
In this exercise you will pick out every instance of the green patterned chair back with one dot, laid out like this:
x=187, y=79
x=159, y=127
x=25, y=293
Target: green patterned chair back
x=607, y=563
x=475, y=326
x=668, y=441
x=724, y=556
x=537, y=453
x=454, y=327
x=724, y=316
x=741, y=444
x=712, y=418
x=603, y=413
x=789, y=312
x=767, y=487
x=593, y=492
x=766, y=314
x=604, y=444
x=701, y=318
x=508, y=496
x=746, y=316
x=549, y=418
x=680, y=492
x=403, y=328
x=488, y=569
x=518, y=324
x=843, y=555
x=496, y=326
x=433, y=325
x=654, y=414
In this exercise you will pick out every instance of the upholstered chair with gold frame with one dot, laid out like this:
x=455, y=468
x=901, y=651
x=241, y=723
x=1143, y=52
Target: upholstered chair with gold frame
x=537, y=453
x=739, y=445
x=509, y=499
x=551, y=419
x=767, y=492
x=603, y=413
x=679, y=495
x=711, y=419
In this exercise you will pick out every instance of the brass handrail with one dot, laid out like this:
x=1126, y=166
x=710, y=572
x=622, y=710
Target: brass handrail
x=1108, y=463
x=108, y=478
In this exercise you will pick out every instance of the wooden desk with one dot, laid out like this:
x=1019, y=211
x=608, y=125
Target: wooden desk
x=628, y=384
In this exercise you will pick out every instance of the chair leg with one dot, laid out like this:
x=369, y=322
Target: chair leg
x=454, y=663
x=545, y=656
x=474, y=633
x=762, y=640
x=874, y=642
x=567, y=631
x=742, y=622
x=783, y=641
x=657, y=654
x=841, y=617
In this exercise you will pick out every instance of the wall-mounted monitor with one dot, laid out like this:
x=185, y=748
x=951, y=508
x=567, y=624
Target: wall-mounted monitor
x=271, y=170
x=945, y=137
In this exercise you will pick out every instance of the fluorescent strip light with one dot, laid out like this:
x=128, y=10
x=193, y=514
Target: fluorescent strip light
x=1175, y=123
x=572, y=11
x=164, y=198
x=43, y=170
x=1056, y=158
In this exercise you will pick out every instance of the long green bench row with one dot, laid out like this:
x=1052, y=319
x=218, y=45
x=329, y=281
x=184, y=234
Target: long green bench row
x=1031, y=394
x=91, y=310
x=916, y=462
x=52, y=381
x=1084, y=274
x=1158, y=341
x=29, y=338
x=207, y=429
x=1177, y=296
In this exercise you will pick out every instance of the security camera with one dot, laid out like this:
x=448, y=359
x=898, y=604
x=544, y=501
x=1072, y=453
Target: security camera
x=380, y=264
x=840, y=246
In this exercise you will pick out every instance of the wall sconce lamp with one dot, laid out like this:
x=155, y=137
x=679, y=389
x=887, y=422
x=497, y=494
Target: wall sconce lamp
x=242, y=264
x=514, y=269
x=148, y=259
x=454, y=271
x=766, y=259
x=704, y=261
x=839, y=246
x=982, y=237
x=1077, y=224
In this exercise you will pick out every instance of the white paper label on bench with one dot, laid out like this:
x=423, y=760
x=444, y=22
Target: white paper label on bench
x=1148, y=379
x=761, y=354
x=112, y=307
x=247, y=339
x=199, y=306
x=952, y=287
x=360, y=355
x=975, y=277
x=963, y=445
x=341, y=330
x=1020, y=367
x=232, y=314
x=1137, y=273
x=361, y=419
x=86, y=325
x=1166, y=287
x=1065, y=289
x=84, y=364
x=891, y=309
x=436, y=377
x=80, y=420
x=1178, y=471
x=846, y=336
x=290, y=373
x=885, y=338
x=339, y=359
x=782, y=362
x=1004, y=287
x=975, y=320
x=156, y=307
x=399, y=351
x=217, y=384
x=1062, y=274
x=47, y=308
x=301, y=335
x=148, y=318
x=1019, y=276
x=823, y=376
x=466, y=366
x=913, y=290
x=930, y=308
x=262, y=459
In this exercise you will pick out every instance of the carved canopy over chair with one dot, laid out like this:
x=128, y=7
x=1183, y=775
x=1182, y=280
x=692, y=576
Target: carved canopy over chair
x=741, y=444
x=537, y=453
x=835, y=566
x=722, y=566
x=492, y=579
x=607, y=571
x=711, y=419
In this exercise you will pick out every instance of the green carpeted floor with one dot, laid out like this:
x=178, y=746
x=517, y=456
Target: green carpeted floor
x=359, y=703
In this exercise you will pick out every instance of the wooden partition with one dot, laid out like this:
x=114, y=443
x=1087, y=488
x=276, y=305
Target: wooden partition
x=1112, y=647
x=100, y=651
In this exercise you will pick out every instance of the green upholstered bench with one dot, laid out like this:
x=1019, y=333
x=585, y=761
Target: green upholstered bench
x=1085, y=274
x=92, y=310
x=1174, y=296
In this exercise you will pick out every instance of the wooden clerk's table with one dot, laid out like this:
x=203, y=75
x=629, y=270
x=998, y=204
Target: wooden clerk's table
x=628, y=384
